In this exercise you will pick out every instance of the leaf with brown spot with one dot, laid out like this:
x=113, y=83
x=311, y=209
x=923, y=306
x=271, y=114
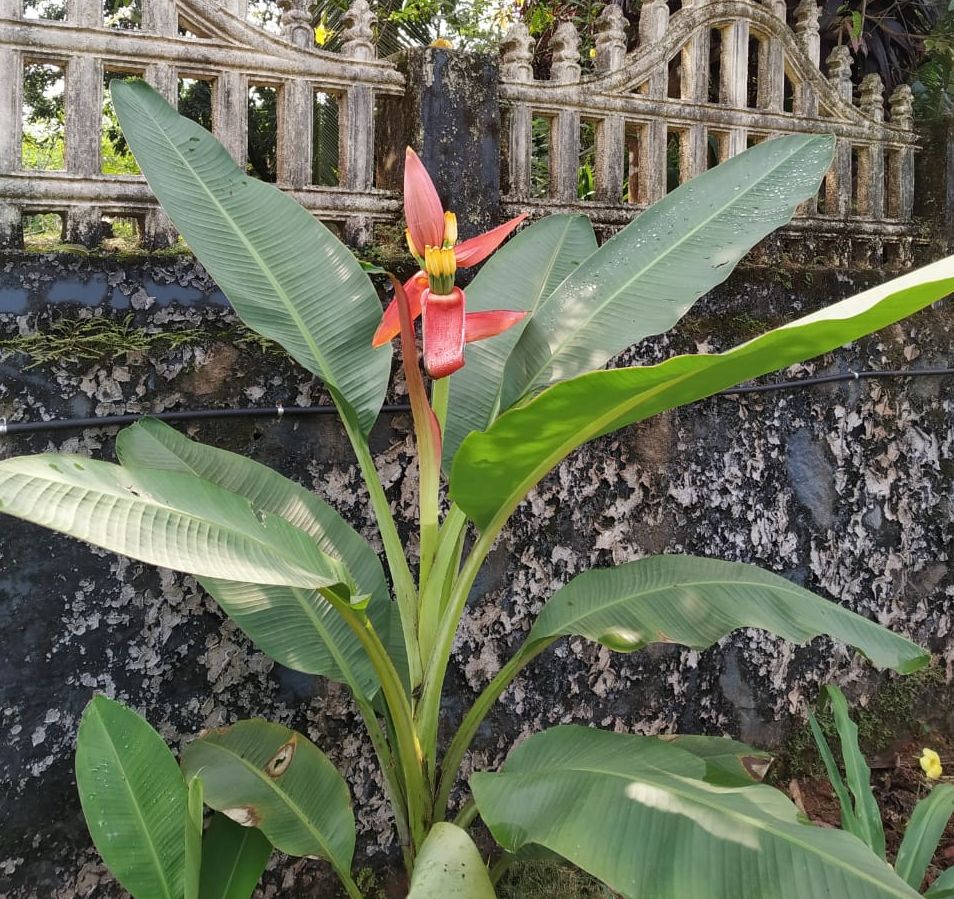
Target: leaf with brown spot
x=302, y=808
x=278, y=764
x=245, y=815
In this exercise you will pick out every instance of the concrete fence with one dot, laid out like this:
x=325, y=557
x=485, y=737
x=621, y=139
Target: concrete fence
x=701, y=85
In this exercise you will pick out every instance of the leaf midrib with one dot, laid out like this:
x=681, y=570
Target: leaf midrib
x=665, y=781
x=236, y=860
x=142, y=821
x=563, y=342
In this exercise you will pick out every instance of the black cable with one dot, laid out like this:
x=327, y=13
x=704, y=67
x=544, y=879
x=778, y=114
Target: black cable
x=846, y=376
x=112, y=421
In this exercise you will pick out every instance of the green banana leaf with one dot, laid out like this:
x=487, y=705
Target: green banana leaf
x=295, y=626
x=849, y=820
x=922, y=835
x=643, y=280
x=449, y=866
x=164, y=518
x=134, y=800
x=267, y=776
x=695, y=601
x=518, y=276
x=233, y=859
x=288, y=277
x=639, y=815
x=494, y=470
x=867, y=815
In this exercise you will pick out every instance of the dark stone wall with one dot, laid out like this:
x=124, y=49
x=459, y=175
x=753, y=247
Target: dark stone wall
x=845, y=488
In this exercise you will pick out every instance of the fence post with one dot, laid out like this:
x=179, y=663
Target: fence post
x=84, y=113
x=516, y=57
x=771, y=73
x=230, y=115
x=807, y=14
x=695, y=89
x=11, y=137
x=733, y=91
x=611, y=133
x=356, y=120
x=653, y=22
x=449, y=114
x=296, y=104
x=901, y=174
x=161, y=17
x=870, y=176
x=838, y=180
x=565, y=130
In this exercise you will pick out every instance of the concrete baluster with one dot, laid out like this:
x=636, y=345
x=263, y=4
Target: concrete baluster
x=653, y=24
x=516, y=57
x=356, y=119
x=565, y=131
x=901, y=170
x=611, y=132
x=838, y=180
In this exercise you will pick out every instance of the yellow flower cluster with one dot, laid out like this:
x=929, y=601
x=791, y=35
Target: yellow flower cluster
x=440, y=261
x=441, y=266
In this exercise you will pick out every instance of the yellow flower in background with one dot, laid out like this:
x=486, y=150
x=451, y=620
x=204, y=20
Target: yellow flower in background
x=592, y=52
x=323, y=33
x=931, y=764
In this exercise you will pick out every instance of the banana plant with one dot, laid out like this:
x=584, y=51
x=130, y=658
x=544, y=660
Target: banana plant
x=517, y=383
x=860, y=814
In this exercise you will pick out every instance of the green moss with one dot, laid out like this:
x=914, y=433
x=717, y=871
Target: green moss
x=369, y=883
x=728, y=328
x=550, y=880
x=898, y=709
x=103, y=339
x=389, y=251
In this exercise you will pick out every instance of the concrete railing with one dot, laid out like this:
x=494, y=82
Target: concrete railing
x=198, y=39
x=702, y=85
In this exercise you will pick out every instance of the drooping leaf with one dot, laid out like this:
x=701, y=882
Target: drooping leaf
x=233, y=859
x=643, y=280
x=857, y=774
x=729, y=763
x=165, y=518
x=288, y=277
x=695, y=601
x=295, y=626
x=133, y=798
x=523, y=271
x=153, y=444
x=922, y=835
x=193, y=839
x=449, y=866
x=639, y=815
x=270, y=777
x=494, y=470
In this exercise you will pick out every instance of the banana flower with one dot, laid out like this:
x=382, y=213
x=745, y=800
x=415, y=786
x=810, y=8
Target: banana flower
x=432, y=239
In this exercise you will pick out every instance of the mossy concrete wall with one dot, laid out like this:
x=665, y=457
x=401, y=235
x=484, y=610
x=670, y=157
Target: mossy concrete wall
x=845, y=488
